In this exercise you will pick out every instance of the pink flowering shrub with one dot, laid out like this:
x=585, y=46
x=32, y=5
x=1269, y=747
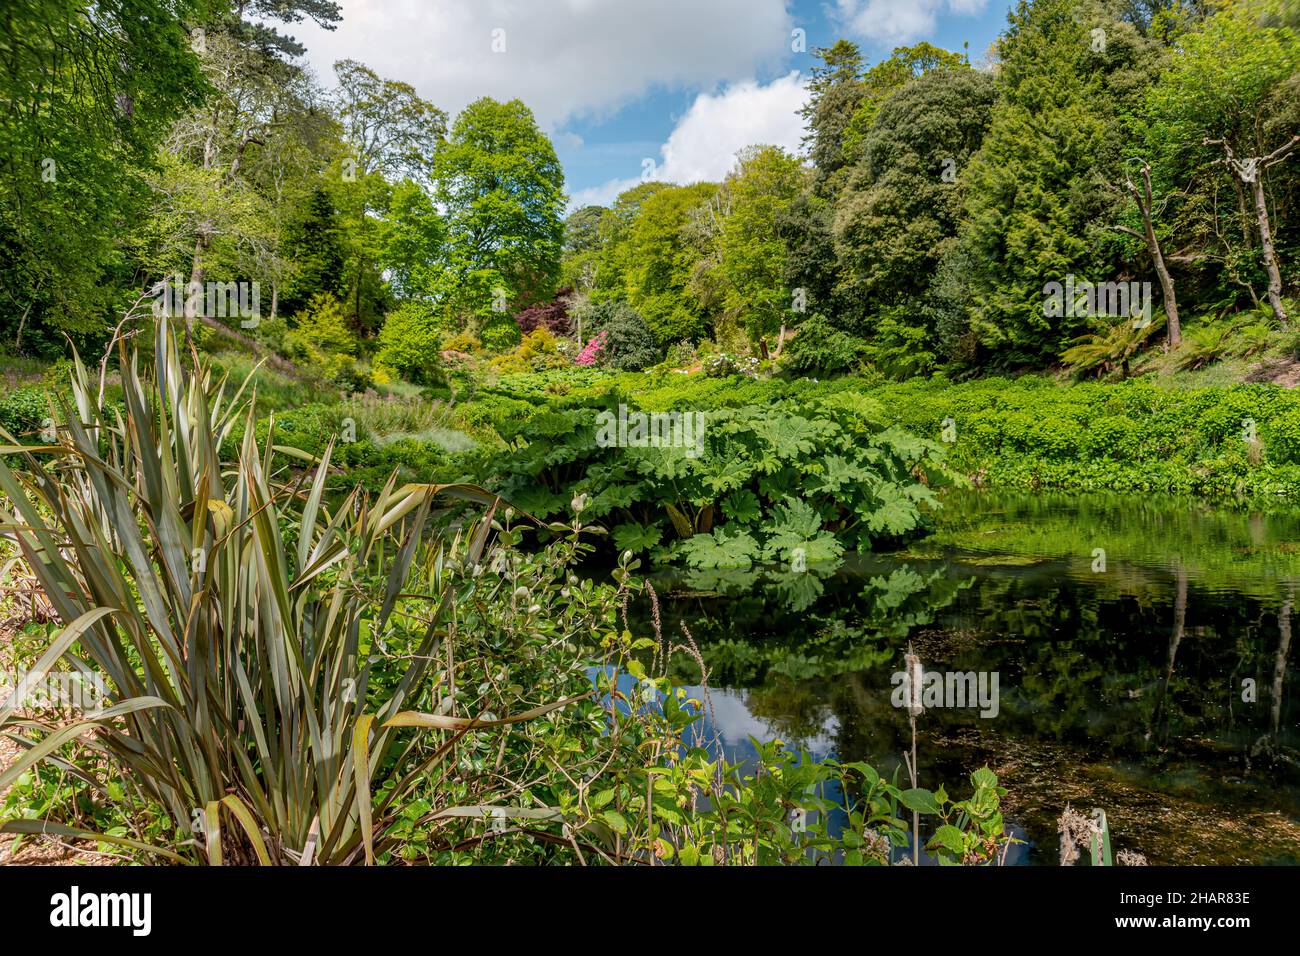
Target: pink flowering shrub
x=591, y=351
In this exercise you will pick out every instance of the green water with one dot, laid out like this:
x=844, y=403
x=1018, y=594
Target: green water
x=1153, y=680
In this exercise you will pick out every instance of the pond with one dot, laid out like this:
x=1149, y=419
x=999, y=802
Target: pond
x=1141, y=647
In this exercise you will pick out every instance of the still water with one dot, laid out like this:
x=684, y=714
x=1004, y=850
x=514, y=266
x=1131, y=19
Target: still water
x=1142, y=647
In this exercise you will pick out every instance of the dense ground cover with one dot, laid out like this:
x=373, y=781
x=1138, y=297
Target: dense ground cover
x=1221, y=441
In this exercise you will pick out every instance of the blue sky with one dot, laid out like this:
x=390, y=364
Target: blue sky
x=621, y=84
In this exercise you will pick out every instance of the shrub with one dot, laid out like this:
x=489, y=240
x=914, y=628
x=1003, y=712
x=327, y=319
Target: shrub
x=819, y=348
x=409, y=344
x=1109, y=349
x=724, y=364
x=241, y=702
x=24, y=409
x=668, y=499
x=321, y=338
x=552, y=316
x=591, y=352
x=499, y=333
x=537, y=352
x=1283, y=437
x=463, y=341
x=1253, y=338
x=899, y=348
x=628, y=341
x=680, y=355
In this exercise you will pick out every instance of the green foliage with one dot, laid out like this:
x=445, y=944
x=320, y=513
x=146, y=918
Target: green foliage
x=319, y=624
x=818, y=348
x=751, y=253
x=1110, y=349
x=316, y=242
x=901, y=206
x=413, y=242
x=498, y=333
x=968, y=832
x=1233, y=79
x=629, y=343
x=393, y=131
x=656, y=260
x=86, y=96
x=321, y=337
x=902, y=347
x=210, y=552
x=1030, y=192
x=1137, y=435
x=537, y=351
x=409, y=344
x=764, y=481
x=883, y=80
x=503, y=191
x=835, y=90
x=25, y=409
x=1204, y=344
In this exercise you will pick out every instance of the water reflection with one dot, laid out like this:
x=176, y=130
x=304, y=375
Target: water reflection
x=1154, y=683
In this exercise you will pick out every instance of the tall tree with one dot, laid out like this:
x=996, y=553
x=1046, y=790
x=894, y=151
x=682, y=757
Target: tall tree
x=86, y=92
x=390, y=129
x=253, y=22
x=902, y=205
x=887, y=77
x=612, y=232
x=834, y=92
x=1228, y=104
x=756, y=194
x=582, y=246
x=657, y=262
x=1036, y=193
x=502, y=187
x=390, y=134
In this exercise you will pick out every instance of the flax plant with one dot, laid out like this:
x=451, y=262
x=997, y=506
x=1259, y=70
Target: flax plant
x=228, y=606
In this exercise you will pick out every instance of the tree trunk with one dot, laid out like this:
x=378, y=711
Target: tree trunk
x=1247, y=236
x=1266, y=248
x=197, y=272
x=1250, y=172
x=18, y=339
x=1145, y=201
x=1279, y=662
x=1175, y=638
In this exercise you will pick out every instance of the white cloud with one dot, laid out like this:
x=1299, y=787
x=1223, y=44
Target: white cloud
x=735, y=723
x=899, y=21
x=703, y=145
x=564, y=58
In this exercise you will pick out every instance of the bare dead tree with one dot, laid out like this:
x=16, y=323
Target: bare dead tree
x=1146, y=207
x=1250, y=172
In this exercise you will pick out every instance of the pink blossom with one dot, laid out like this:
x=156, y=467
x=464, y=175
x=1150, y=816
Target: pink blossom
x=591, y=351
